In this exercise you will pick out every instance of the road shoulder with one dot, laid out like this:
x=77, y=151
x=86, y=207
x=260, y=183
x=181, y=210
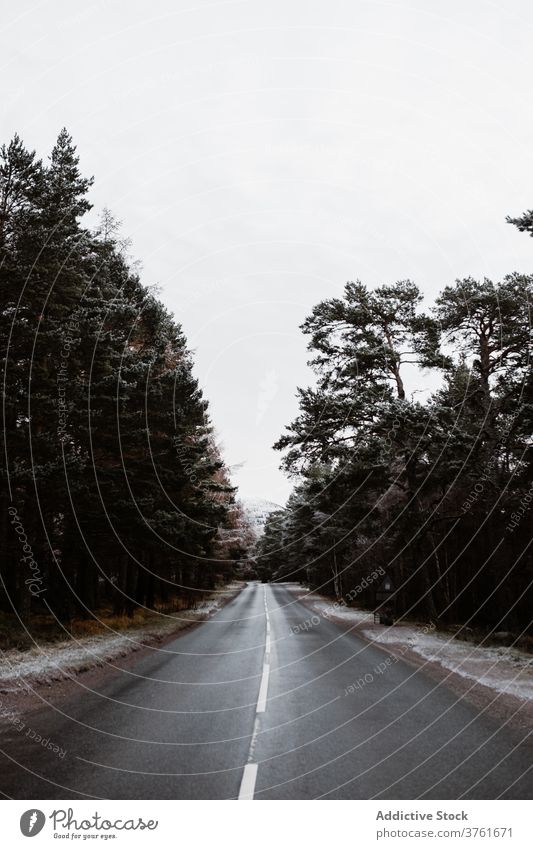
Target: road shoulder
x=498, y=680
x=50, y=673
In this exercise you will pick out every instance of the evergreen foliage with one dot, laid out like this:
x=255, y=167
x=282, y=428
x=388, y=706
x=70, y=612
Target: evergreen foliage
x=436, y=493
x=111, y=472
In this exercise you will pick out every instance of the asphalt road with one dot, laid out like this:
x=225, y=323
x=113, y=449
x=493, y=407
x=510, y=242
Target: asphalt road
x=250, y=703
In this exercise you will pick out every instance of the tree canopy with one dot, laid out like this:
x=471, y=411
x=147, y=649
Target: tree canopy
x=110, y=460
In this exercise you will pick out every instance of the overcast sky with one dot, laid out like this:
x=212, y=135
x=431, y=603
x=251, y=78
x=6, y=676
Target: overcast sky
x=260, y=154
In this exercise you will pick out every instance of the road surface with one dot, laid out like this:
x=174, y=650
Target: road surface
x=250, y=704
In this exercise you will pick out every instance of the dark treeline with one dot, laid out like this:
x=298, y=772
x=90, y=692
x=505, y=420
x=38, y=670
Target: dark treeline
x=436, y=491
x=113, y=490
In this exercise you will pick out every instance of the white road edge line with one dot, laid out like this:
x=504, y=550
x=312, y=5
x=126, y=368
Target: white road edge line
x=248, y=782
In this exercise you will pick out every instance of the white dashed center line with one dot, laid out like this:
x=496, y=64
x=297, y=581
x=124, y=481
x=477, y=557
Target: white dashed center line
x=248, y=782
x=263, y=690
x=250, y=770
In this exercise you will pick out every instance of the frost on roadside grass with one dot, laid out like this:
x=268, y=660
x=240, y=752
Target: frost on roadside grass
x=48, y=662
x=505, y=670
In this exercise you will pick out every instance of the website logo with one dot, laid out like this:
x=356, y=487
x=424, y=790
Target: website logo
x=32, y=822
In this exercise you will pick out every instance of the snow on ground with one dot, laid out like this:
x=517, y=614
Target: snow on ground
x=329, y=609
x=55, y=661
x=506, y=670
x=503, y=669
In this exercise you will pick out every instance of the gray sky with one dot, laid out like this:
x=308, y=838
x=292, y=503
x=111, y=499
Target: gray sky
x=260, y=154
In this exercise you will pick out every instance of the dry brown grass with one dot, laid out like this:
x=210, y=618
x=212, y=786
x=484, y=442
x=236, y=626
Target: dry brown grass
x=45, y=629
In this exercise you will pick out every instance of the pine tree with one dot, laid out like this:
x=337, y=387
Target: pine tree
x=111, y=459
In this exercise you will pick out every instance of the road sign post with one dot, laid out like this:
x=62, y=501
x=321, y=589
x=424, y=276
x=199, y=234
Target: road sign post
x=384, y=602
